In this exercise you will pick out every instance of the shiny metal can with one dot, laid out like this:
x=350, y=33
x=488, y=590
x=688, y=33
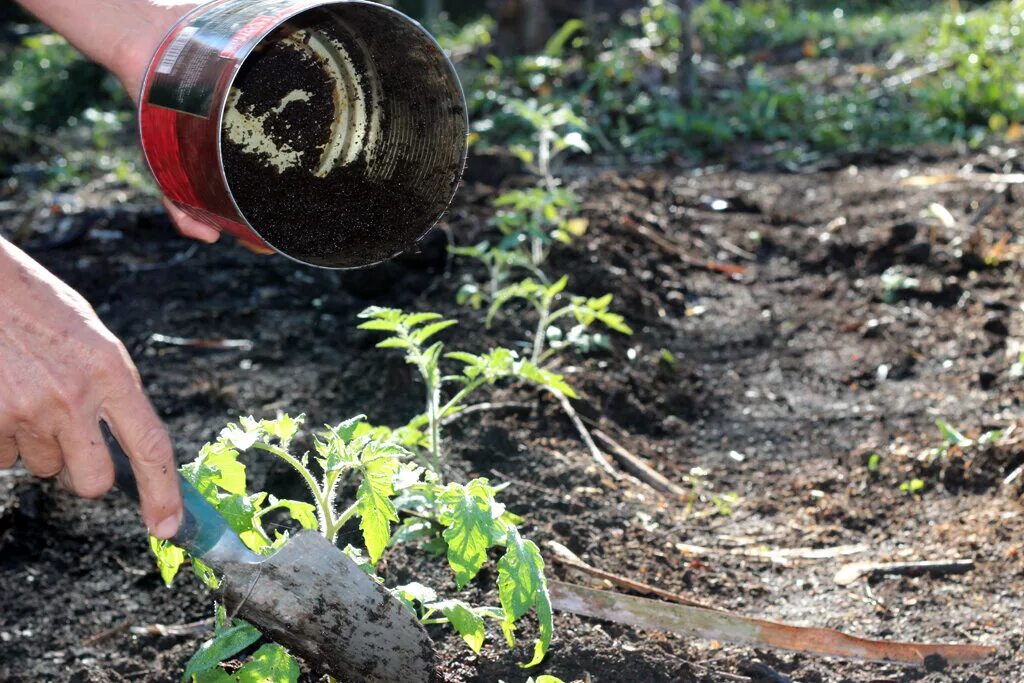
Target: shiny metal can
x=332, y=132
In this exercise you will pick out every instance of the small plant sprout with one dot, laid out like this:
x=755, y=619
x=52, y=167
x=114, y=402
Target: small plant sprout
x=701, y=491
x=500, y=264
x=557, y=128
x=410, y=333
x=535, y=218
x=353, y=454
x=547, y=301
x=953, y=439
x=894, y=282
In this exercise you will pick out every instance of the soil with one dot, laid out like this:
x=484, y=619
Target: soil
x=781, y=382
x=399, y=184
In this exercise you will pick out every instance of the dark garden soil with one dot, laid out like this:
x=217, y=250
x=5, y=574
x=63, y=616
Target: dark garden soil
x=783, y=382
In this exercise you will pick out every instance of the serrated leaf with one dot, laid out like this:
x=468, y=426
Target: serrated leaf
x=216, y=466
x=520, y=575
x=418, y=592
x=270, y=664
x=169, y=558
x=303, y=513
x=239, y=437
x=424, y=333
x=283, y=428
x=464, y=620
x=546, y=626
x=379, y=326
x=473, y=527
x=223, y=646
x=346, y=431
x=205, y=574
x=373, y=501
x=393, y=343
x=546, y=378
x=414, y=319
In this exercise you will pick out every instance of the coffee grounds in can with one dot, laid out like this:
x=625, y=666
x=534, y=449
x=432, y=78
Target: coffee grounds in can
x=345, y=218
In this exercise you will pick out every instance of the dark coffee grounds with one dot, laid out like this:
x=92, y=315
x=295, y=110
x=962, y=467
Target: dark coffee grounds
x=344, y=219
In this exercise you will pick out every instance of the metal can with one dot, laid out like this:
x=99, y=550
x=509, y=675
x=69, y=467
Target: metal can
x=332, y=132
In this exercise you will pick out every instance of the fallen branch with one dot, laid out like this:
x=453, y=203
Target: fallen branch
x=780, y=556
x=570, y=559
x=680, y=252
x=640, y=469
x=595, y=452
x=722, y=626
x=485, y=407
x=176, y=630
x=852, y=572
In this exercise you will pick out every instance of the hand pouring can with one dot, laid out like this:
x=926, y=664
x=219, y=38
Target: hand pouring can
x=334, y=132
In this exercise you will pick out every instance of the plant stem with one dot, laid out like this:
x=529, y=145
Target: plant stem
x=321, y=498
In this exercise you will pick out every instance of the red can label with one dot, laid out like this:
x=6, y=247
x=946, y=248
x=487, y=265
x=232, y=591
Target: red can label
x=197, y=63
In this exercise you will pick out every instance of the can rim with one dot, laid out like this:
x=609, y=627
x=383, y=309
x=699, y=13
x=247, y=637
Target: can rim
x=305, y=7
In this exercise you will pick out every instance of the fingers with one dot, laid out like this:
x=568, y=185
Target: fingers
x=8, y=452
x=41, y=454
x=190, y=227
x=88, y=470
x=197, y=230
x=145, y=441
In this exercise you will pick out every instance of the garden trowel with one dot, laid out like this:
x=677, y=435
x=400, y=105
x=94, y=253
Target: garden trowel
x=308, y=596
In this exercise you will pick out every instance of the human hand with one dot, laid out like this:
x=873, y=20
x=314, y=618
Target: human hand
x=61, y=372
x=123, y=36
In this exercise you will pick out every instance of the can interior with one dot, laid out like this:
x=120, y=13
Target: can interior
x=344, y=135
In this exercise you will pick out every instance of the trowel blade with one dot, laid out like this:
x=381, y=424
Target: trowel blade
x=314, y=600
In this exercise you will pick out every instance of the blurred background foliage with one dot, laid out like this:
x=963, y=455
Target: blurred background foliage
x=649, y=80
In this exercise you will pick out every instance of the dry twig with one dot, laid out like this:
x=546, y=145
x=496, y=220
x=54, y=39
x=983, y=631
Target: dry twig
x=570, y=559
x=852, y=572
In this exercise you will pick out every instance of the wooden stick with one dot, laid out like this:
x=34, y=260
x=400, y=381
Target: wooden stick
x=640, y=469
x=484, y=407
x=595, y=452
x=570, y=559
x=723, y=626
x=681, y=253
x=852, y=572
x=189, y=629
x=781, y=556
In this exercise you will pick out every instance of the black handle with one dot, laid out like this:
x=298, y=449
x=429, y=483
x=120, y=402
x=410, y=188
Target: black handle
x=201, y=525
x=123, y=475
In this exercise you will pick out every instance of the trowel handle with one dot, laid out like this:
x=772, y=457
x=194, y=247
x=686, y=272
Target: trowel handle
x=201, y=525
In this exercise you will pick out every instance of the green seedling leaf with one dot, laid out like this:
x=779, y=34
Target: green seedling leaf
x=912, y=486
x=205, y=574
x=545, y=378
x=520, y=575
x=239, y=437
x=522, y=586
x=374, y=507
x=464, y=620
x=874, y=462
x=283, y=428
x=951, y=436
x=270, y=664
x=347, y=430
x=216, y=467
x=303, y=513
x=416, y=592
x=474, y=526
x=546, y=626
x=223, y=646
x=169, y=558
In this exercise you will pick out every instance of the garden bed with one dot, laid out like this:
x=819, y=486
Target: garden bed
x=781, y=381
